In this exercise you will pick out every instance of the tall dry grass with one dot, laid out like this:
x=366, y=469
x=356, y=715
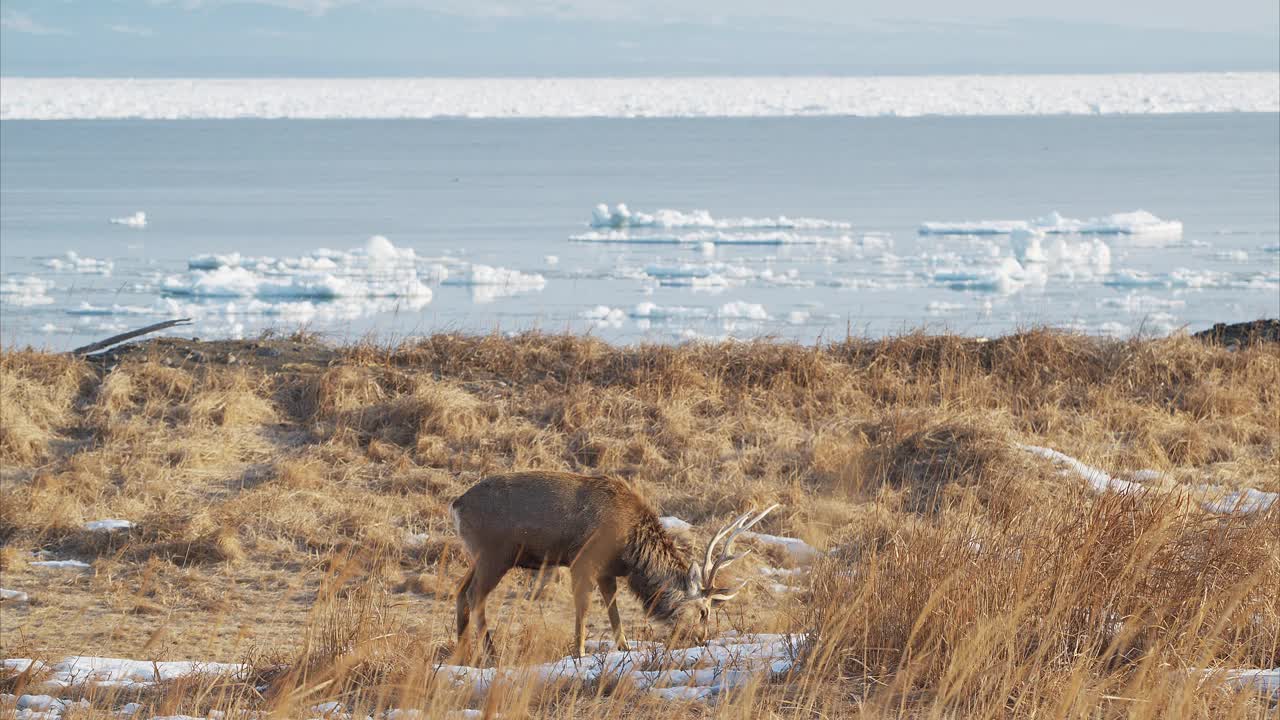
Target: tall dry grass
x=292, y=515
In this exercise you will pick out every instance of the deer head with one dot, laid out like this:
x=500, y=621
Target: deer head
x=702, y=594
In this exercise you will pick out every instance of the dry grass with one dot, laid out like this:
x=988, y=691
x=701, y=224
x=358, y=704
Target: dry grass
x=292, y=515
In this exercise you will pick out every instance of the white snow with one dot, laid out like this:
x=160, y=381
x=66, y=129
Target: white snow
x=672, y=522
x=16, y=596
x=107, y=525
x=1138, y=222
x=902, y=96
x=1098, y=479
x=26, y=291
x=116, y=672
x=697, y=673
x=1211, y=497
x=74, y=262
x=136, y=220
x=61, y=564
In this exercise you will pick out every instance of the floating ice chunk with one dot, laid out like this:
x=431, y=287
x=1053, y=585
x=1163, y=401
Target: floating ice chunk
x=136, y=220
x=605, y=315
x=210, y=261
x=13, y=596
x=1007, y=276
x=939, y=307
x=551, y=260
x=743, y=310
x=1063, y=257
x=108, y=525
x=652, y=311
x=73, y=262
x=26, y=291
x=379, y=269
x=797, y=317
x=490, y=283
x=1232, y=255
x=1137, y=303
x=1138, y=222
x=1113, y=329
x=85, y=308
x=620, y=216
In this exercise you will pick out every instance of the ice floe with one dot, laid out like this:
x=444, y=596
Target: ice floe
x=773, y=96
x=1138, y=222
x=136, y=220
x=27, y=291
x=74, y=262
x=379, y=269
x=620, y=216
x=490, y=283
x=605, y=315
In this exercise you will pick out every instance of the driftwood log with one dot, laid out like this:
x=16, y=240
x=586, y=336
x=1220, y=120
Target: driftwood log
x=114, y=339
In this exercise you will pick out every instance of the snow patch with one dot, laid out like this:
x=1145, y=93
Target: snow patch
x=107, y=525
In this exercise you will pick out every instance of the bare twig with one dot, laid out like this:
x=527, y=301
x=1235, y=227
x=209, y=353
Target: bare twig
x=114, y=339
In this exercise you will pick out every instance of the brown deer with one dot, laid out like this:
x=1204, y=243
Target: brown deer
x=601, y=529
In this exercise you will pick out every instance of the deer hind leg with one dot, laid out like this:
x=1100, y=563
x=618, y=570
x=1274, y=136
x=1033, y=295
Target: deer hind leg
x=609, y=594
x=487, y=575
x=581, y=601
x=464, y=604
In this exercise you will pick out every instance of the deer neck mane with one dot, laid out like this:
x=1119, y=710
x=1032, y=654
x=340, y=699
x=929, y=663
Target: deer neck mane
x=658, y=568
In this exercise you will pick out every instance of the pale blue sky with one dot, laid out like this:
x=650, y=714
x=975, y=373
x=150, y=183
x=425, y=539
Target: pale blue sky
x=621, y=37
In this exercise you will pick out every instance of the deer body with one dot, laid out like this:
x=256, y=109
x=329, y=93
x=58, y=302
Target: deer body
x=599, y=528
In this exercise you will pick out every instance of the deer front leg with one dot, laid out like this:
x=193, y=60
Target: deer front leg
x=609, y=594
x=581, y=601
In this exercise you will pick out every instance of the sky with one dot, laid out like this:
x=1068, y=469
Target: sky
x=179, y=38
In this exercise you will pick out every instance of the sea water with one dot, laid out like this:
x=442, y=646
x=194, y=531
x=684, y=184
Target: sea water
x=638, y=229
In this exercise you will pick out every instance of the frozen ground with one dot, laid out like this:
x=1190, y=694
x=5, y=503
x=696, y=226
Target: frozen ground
x=639, y=230
x=172, y=98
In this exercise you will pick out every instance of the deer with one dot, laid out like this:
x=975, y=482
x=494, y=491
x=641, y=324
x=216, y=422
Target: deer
x=601, y=529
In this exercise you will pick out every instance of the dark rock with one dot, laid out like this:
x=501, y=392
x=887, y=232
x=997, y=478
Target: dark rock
x=1242, y=333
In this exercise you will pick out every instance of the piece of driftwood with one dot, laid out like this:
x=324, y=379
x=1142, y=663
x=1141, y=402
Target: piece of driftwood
x=102, y=344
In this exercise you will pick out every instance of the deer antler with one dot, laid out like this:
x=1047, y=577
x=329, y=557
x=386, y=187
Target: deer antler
x=712, y=564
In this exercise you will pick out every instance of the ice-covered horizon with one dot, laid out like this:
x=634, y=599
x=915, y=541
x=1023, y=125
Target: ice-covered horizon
x=31, y=98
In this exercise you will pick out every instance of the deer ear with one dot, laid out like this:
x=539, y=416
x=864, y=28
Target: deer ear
x=694, y=585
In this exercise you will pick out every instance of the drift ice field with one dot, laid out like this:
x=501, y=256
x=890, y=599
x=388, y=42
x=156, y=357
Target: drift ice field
x=655, y=230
